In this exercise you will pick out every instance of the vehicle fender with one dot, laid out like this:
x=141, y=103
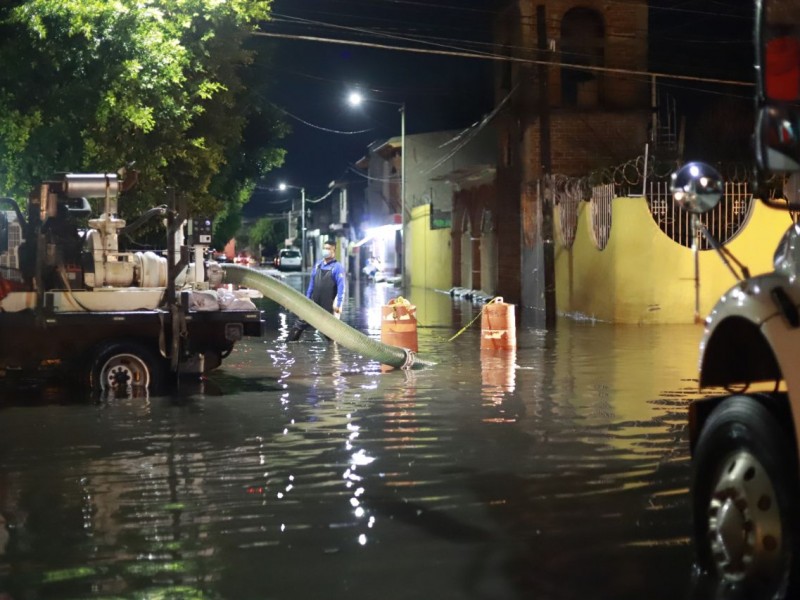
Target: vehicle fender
x=752, y=335
x=742, y=330
x=749, y=299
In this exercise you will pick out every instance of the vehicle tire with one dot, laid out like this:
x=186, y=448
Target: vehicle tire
x=126, y=364
x=744, y=485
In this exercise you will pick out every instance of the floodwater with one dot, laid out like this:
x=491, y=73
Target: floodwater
x=301, y=471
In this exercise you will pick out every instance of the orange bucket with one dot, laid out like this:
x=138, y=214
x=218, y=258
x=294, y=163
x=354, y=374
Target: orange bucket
x=399, y=326
x=498, y=326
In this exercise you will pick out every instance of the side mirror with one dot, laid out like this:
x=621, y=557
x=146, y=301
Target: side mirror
x=777, y=133
x=696, y=187
x=78, y=207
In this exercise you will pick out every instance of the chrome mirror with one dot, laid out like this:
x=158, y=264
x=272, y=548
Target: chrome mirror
x=778, y=77
x=696, y=187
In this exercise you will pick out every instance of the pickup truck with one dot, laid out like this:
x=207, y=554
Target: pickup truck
x=72, y=303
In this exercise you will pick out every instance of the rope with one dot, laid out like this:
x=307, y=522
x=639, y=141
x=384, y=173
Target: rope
x=468, y=325
x=394, y=303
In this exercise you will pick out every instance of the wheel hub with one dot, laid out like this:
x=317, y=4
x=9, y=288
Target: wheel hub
x=119, y=376
x=744, y=522
x=124, y=370
x=731, y=536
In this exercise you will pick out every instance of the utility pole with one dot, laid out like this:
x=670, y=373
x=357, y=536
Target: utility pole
x=546, y=192
x=403, y=276
x=284, y=187
x=303, y=226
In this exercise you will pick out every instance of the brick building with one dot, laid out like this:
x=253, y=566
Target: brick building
x=574, y=99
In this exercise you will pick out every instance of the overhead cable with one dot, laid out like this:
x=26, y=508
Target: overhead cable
x=530, y=61
x=287, y=113
x=471, y=133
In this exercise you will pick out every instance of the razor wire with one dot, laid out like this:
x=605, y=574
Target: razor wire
x=648, y=177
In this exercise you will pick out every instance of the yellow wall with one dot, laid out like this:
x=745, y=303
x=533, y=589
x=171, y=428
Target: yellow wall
x=428, y=252
x=642, y=276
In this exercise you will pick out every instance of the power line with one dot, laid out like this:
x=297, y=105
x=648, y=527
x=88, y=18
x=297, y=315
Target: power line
x=319, y=127
x=450, y=44
x=363, y=31
x=470, y=133
x=349, y=18
x=488, y=11
x=485, y=56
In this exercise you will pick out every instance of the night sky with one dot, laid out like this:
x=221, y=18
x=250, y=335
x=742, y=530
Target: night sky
x=708, y=39
x=310, y=80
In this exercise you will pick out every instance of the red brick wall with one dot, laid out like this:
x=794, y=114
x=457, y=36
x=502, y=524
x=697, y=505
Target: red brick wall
x=625, y=45
x=581, y=141
x=608, y=133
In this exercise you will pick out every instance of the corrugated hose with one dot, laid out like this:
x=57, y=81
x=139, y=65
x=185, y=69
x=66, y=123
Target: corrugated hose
x=322, y=320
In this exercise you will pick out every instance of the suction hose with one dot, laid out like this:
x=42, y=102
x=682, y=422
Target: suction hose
x=324, y=321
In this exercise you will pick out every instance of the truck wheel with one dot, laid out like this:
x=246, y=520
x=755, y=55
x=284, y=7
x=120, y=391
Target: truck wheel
x=744, y=485
x=123, y=364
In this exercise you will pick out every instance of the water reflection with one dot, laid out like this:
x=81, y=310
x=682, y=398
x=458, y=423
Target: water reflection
x=558, y=470
x=498, y=378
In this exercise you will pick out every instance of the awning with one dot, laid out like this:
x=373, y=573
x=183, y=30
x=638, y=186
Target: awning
x=380, y=232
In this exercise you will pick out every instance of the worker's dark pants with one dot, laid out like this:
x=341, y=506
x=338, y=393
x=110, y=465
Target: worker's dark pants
x=298, y=327
x=324, y=294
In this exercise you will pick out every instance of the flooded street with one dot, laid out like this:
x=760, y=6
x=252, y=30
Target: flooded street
x=301, y=470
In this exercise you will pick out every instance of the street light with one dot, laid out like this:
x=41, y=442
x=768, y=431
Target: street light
x=283, y=187
x=355, y=99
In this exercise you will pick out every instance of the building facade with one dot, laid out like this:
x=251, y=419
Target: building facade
x=440, y=169
x=572, y=99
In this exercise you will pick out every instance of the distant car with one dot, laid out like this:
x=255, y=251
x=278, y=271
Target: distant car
x=289, y=259
x=244, y=259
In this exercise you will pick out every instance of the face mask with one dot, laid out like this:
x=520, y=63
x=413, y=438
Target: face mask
x=326, y=253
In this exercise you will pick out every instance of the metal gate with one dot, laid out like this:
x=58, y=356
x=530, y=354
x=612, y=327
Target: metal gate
x=724, y=222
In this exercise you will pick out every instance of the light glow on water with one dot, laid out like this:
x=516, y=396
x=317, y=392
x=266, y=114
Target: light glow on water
x=494, y=478
x=361, y=459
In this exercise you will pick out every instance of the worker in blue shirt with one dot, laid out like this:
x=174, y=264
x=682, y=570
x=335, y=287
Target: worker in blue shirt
x=326, y=288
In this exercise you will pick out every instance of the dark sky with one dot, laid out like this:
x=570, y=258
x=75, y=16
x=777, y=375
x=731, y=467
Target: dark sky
x=707, y=39
x=311, y=80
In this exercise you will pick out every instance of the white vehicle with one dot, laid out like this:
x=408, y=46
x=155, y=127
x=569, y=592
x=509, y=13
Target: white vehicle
x=745, y=444
x=289, y=259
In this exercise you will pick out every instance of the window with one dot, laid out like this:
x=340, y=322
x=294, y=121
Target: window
x=582, y=43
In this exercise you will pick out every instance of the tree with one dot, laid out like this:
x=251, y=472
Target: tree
x=92, y=85
x=269, y=233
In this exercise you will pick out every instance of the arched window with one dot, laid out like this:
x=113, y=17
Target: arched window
x=582, y=43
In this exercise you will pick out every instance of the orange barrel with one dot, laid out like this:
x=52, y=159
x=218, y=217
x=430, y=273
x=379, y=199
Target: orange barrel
x=399, y=325
x=498, y=326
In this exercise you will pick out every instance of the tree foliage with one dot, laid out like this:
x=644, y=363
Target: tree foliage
x=92, y=85
x=268, y=233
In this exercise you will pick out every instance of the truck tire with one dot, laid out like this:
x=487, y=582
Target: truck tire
x=122, y=364
x=744, y=486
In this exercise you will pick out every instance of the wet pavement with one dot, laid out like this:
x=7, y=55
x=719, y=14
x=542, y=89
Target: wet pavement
x=559, y=471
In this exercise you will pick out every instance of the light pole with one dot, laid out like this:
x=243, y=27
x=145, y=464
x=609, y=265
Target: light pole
x=283, y=187
x=403, y=190
x=355, y=99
